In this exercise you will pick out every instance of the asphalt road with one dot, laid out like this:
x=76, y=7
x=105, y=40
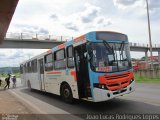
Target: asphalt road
x=145, y=100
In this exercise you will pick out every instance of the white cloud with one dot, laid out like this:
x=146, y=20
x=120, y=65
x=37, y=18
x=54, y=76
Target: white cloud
x=90, y=13
x=54, y=17
x=13, y=57
x=127, y=4
x=71, y=26
x=122, y=4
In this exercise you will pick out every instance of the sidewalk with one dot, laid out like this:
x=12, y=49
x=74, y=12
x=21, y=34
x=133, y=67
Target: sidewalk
x=10, y=105
x=12, y=109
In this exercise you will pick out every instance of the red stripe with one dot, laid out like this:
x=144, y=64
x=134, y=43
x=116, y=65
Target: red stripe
x=54, y=72
x=73, y=73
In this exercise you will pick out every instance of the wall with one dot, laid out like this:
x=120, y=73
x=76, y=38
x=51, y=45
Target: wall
x=148, y=73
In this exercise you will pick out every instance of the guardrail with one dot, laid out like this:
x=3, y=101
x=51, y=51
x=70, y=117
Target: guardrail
x=34, y=36
x=143, y=45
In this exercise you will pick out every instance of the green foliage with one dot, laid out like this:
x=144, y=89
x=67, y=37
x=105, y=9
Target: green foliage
x=4, y=75
x=3, y=84
x=146, y=80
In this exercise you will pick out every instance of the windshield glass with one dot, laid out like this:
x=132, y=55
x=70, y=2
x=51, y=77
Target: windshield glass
x=109, y=57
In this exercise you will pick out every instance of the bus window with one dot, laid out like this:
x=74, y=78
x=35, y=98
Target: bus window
x=21, y=69
x=29, y=67
x=25, y=68
x=70, y=58
x=60, y=61
x=48, y=62
x=34, y=65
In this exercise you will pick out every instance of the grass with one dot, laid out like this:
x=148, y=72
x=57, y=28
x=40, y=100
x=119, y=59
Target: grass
x=147, y=80
x=2, y=84
x=6, y=75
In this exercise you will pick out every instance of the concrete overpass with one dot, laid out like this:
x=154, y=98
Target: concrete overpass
x=29, y=44
x=7, y=9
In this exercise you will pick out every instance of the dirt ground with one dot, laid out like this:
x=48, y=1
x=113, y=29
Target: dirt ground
x=12, y=108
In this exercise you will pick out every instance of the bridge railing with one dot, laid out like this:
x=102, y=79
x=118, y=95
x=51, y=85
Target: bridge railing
x=143, y=45
x=34, y=36
x=138, y=44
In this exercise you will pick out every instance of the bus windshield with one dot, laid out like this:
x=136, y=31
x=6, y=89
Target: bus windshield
x=109, y=57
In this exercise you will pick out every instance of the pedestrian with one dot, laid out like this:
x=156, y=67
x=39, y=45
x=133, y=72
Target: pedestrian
x=7, y=81
x=14, y=81
x=0, y=82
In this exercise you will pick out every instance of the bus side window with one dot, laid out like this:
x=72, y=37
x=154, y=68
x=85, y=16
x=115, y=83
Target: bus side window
x=70, y=57
x=48, y=59
x=60, y=61
x=29, y=67
x=34, y=65
x=21, y=68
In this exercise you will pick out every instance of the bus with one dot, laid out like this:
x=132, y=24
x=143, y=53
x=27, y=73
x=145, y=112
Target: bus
x=93, y=67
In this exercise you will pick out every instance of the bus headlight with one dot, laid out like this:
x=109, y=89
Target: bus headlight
x=131, y=80
x=101, y=86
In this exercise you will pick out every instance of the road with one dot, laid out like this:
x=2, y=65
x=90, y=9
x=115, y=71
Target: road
x=145, y=100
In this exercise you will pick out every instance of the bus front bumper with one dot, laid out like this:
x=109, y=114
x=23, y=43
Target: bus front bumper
x=104, y=95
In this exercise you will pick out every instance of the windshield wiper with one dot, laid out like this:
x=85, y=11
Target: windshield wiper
x=108, y=47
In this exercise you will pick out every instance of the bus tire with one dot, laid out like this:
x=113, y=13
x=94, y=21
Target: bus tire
x=29, y=85
x=66, y=93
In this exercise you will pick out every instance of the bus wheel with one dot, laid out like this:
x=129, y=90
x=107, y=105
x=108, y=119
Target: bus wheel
x=66, y=93
x=29, y=85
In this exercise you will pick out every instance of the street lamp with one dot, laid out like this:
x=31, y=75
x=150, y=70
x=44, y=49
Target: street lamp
x=149, y=31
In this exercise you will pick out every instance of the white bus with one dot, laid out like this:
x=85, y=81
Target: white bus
x=94, y=67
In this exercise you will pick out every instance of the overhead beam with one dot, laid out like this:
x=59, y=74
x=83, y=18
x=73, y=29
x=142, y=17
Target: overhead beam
x=29, y=44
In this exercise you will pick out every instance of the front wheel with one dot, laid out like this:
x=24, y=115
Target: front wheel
x=66, y=93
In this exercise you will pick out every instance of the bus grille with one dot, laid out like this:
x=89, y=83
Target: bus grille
x=116, y=82
x=117, y=76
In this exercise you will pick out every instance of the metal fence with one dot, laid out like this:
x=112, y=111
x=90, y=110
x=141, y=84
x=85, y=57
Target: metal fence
x=34, y=36
x=143, y=45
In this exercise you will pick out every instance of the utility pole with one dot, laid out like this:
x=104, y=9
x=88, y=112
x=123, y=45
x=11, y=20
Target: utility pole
x=149, y=31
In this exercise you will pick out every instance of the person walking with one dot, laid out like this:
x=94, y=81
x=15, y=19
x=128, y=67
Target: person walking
x=0, y=82
x=14, y=81
x=7, y=81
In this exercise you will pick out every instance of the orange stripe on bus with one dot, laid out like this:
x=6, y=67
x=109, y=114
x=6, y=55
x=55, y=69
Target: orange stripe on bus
x=54, y=72
x=49, y=51
x=61, y=46
x=73, y=73
x=81, y=38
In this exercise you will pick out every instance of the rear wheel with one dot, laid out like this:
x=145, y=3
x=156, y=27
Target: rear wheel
x=66, y=93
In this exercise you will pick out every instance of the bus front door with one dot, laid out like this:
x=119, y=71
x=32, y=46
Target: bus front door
x=41, y=74
x=83, y=82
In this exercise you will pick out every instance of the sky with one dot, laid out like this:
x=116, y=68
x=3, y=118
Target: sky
x=77, y=17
